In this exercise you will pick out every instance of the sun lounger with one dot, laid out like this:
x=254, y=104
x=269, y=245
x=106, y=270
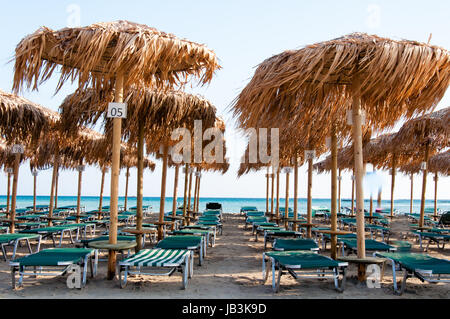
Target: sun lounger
x=303, y=264
x=326, y=238
x=281, y=244
x=270, y=235
x=15, y=239
x=422, y=266
x=160, y=262
x=54, y=262
x=208, y=233
x=216, y=224
x=350, y=245
x=53, y=231
x=433, y=237
x=248, y=209
x=194, y=243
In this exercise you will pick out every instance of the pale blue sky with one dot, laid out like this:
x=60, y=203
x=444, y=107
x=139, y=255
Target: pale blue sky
x=243, y=34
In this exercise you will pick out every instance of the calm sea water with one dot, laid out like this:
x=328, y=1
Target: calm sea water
x=231, y=205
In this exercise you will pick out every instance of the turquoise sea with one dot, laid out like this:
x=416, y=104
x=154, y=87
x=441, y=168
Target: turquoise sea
x=231, y=205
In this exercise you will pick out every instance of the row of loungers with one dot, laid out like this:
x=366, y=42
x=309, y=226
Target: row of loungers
x=299, y=257
x=174, y=253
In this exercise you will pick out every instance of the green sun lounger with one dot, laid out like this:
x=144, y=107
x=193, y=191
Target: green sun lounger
x=261, y=229
x=422, y=266
x=245, y=209
x=215, y=224
x=281, y=244
x=350, y=245
x=326, y=238
x=271, y=235
x=189, y=242
x=208, y=233
x=162, y=262
x=303, y=264
x=54, y=231
x=254, y=214
x=55, y=262
x=15, y=239
x=438, y=237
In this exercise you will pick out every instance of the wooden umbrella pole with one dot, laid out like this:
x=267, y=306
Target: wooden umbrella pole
x=80, y=175
x=101, y=190
x=379, y=198
x=295, y=193
x=8, y=194
x=115, y=171
x=435, y=193
x=286, y=203
x=333, y=191
x=56, y=188
x=14, y=192
x=371, y=207
x=272, y=193
x=358, y=162
x=175, y=194
x=190, y=190
x=267, y=191
x=195, y=193
x=353, y=194
x=140, y=185
x=125, y=206
x=339, y=190
x=163, y=190
x=424, y=186
x=186, y=179
x=393, y=173
x=277, y=211
x=52, y=189
x=34, y=192
x=309, y=199
x=412, y=194
x=198, y=191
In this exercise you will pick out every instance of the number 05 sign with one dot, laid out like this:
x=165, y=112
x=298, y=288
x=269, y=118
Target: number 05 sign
x=117, y=110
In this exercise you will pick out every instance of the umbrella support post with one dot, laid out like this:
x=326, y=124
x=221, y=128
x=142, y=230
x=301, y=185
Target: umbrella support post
x=140, y=185
x=309, y=200
x=295, y=193
x=333, y=191
x=14, y=192
x=163, y=192
x=115, y=170
x=286, y=209
x=175, y=191
x=359, y=170
x=186, y=181
x=424, y=186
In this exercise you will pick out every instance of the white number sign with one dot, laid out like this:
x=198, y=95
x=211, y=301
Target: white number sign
x=117, y=110
x=17, y=149
x=311, y=154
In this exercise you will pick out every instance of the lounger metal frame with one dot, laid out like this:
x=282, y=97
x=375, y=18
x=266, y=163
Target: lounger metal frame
x=15, y=243
x=53, y=271
x=422, y=274
x=296, y=272
x=125, y=270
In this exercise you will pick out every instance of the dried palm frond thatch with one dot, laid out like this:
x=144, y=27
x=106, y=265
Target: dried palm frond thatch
x=439, y=163
x=96, y=53
x=22, y=120
x=398, y=78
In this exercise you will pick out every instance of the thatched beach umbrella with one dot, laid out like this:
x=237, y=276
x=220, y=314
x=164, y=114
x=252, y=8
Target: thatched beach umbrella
x=429, y=133
x=107, y=55
x=387, y=79
x=21, y=121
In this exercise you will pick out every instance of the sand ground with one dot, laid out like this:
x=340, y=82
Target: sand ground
x=232, y=269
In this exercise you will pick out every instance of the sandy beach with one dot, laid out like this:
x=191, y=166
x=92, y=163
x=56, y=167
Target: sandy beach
x=232, y=270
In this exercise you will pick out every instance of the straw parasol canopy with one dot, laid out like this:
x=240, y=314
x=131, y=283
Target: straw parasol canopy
x=439, y=163
x=22, y=122
x=398, y=78
x=96, y=53
x=429, y=133
x=387, y=79
x=21, y=119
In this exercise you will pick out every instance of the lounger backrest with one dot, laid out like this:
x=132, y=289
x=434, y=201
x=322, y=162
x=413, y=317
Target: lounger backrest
x=445, y=219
